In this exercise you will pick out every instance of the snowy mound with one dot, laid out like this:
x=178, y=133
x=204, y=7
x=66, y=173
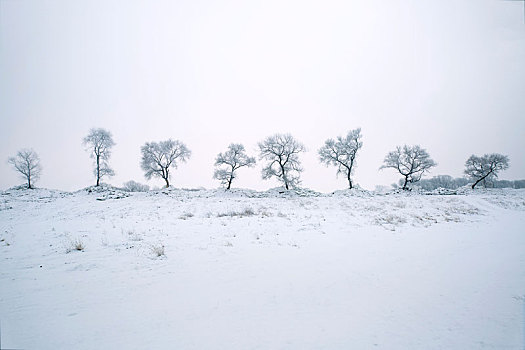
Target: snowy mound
x=33, y=194
x=354, y=192
x=104, y=192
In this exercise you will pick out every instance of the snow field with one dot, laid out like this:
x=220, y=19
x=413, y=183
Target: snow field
x=252, y=270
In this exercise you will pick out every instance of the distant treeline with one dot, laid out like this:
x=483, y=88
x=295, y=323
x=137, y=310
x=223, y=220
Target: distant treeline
x=449, y=182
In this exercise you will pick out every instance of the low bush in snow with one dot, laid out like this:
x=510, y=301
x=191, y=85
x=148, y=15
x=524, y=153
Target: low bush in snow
x=157, y=250
x=76, y=244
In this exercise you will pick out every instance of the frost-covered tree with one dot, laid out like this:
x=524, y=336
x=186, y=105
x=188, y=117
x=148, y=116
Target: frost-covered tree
x=133, y=186
x=27, y=163
x=486, y=167
x=231, y=160
x=410, y=161
x=342, y=152
x=282, y=152
x=159, y=157
x=99, y=143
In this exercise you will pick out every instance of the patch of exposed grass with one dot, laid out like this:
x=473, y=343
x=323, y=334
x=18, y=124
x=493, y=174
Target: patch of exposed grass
x=186, y=216
x=245, y=213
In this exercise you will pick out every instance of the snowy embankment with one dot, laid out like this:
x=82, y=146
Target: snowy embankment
x=206, y=269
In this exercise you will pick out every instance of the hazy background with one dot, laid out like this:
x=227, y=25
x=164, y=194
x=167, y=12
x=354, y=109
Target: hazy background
x=448, y=74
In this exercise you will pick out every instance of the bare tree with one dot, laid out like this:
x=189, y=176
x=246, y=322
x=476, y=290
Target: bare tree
x=342, y=153
x=159, y=157
x=231, y=160
x=282, y=152
x=486, y=167
x=27, y=163
x=411, y=162
x=99, y=142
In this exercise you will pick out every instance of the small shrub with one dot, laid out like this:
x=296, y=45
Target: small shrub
x=133, y=186
x=79, y=245
x=157, y=250
x=186, y=216
x=76, y=244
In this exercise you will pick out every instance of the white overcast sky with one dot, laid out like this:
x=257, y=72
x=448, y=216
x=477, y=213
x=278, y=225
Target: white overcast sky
x=446, y=74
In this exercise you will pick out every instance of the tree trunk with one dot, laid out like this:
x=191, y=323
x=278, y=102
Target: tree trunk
x=28, y=178
x=166, y=176
x=349, y=181
x=284, y=176
x=480, y=179
x=405, y=184
x=98, y=170
x=231, y=177
x=477, y=182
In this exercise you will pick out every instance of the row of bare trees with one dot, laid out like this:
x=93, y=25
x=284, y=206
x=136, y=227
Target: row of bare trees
x=281, y=153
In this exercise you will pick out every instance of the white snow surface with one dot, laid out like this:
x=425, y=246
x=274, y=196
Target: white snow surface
x=262, y=270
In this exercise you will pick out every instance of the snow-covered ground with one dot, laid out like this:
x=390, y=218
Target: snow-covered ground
x=206, y=269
